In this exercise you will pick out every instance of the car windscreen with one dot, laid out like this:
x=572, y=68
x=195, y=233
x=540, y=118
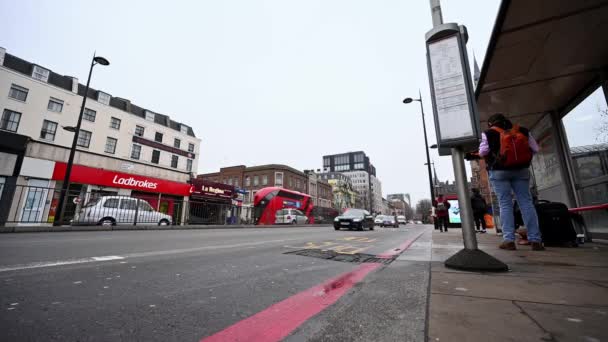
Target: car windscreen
x=354, y=212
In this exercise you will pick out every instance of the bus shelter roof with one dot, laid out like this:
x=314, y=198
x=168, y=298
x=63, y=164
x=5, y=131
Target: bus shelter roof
x=543, y=56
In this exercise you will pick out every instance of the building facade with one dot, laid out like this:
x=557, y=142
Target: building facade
x=253, y=178
x=344, y=194
x=122, y=148
x=358, y=167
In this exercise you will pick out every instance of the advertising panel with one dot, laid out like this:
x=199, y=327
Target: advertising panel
x=454, y=211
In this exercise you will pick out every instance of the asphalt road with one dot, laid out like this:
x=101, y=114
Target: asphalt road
x=214, y=285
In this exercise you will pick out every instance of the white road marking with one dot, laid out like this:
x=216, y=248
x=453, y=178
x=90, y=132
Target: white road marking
x=461, y=289
x=14, y=304
x=575, y=320
x=132, y=255
x=10, y=309
x=77, y=282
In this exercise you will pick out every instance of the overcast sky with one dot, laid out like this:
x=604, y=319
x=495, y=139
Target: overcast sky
x=261, y=81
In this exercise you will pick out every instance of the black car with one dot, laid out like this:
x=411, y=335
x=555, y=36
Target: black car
x=354, y=218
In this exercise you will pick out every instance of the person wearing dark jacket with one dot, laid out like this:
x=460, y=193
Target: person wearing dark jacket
x=442, y=206
x=479, y=211
x=508, y=150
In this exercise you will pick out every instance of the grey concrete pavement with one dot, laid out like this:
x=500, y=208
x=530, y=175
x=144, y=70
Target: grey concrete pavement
x=185, y=285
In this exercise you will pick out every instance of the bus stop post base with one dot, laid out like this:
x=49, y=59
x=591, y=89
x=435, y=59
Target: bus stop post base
x=475, y=260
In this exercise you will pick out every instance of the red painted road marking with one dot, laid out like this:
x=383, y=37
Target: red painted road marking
x=398, y=250
x=280, y=319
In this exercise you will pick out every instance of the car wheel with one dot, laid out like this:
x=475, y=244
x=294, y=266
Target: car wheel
x=293, y=222
x=360, y=227
x=371, y=227
x=107, y=221
x=163, y=222
x=336, y=228
x=306, y=222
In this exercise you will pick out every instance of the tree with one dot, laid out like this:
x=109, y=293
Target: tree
x=408, y=212
x=423, y=208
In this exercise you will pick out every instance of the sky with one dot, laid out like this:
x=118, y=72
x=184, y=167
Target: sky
x=262, y=82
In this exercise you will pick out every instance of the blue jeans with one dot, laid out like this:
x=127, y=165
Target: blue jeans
x=518, y=181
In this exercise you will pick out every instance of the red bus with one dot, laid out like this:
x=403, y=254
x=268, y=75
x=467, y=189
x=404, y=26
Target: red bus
x=268, y=200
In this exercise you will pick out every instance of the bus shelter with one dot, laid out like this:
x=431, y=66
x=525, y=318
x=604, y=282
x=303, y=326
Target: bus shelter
x=544, y=58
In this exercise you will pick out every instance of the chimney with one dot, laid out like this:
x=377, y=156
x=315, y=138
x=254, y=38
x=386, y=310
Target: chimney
x=2, y=53
x=74, y=85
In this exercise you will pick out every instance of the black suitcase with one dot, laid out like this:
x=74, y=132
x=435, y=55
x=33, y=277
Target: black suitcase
x=555, y=224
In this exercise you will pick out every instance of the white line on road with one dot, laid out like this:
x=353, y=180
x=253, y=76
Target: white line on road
x=133, y=255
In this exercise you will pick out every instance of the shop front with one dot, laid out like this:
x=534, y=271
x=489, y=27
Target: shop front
x=88, y=184
x=211, y=203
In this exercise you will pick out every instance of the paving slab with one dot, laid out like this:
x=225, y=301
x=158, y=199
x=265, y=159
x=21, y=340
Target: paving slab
x=566, y=323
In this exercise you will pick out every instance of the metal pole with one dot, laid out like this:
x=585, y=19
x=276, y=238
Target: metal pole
x=426, y=147
x=466, y=212
x=436, y=12
x=66, y=179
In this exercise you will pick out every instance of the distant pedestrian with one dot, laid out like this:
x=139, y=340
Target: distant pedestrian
x=508, y=150
x=442, y=207
x=479, y=205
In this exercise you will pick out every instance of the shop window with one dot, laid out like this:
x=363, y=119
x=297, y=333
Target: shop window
x=89, y=114
x=84, y=138
x=18, y=93
x=155, y=156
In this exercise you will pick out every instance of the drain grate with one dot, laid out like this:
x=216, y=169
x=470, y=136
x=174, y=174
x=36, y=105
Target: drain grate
x=332, y=255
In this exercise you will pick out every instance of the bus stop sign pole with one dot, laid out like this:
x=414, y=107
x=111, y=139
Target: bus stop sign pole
x=456, y=126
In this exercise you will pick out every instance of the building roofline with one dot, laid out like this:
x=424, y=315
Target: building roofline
x=24, y=67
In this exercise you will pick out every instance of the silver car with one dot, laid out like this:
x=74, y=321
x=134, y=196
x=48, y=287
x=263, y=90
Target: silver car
x=290, y=216
x=113, y=210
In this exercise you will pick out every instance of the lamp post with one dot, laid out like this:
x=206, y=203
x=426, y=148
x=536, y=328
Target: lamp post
x=426, y=142
x=66, y=179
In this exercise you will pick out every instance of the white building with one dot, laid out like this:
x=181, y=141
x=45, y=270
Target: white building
x=122, y=148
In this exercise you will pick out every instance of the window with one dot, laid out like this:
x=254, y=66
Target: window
x=110, y=145
x=236, y=182
x=48, y=130
x=55, y=105
x=359, y=165
x=115, y=123
x=297, y=183
x=10, y=120
x=256, y=180
x=128, y=204
x=229, y=181
x=183, y=129
x=174, y=160
x=158, y=137
x=247, y=181
x=103, y=98
x=111, y=203
x=290, y=182
x=326, y=162
x=278, y=178
x=190, y=147
x=176, y=143
x=144, y=206
x=18, y=93
x=84, y=138
x=155, y=156
x=139, y=131
x=89, y=114
x=150, y=116
x=264, y=179
x=359, y=158
x=189, y=167
x=136, y=151
x=40, y=73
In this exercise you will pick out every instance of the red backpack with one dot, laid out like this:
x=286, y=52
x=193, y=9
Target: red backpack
x=514, y=148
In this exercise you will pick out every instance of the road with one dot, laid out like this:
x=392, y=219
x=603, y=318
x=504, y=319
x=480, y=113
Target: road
x=293, y=284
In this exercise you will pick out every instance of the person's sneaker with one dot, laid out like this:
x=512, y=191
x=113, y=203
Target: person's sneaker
x=537, y=246
x=484, y=231
x=508, y=245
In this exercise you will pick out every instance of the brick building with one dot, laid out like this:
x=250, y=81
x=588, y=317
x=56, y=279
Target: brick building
x=253, y=178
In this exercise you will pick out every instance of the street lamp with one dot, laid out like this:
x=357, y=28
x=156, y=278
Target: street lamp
x=66, y=179
x=426, y=142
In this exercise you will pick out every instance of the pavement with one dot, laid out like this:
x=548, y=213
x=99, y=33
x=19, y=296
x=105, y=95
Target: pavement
x=560, y=294
x=293, y=284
